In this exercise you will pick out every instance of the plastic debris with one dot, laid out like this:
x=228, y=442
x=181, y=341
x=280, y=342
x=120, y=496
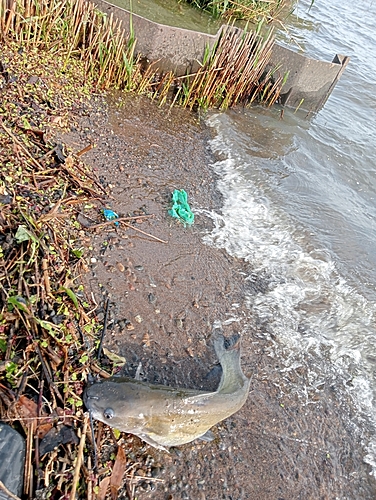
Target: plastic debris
x=180, y=208
x=110, y=215
x=12, y=458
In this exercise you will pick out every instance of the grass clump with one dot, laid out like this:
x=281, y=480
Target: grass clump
x=49, y=331
x=234, y=72
x=44, y=314
x=74, y=28
x=250, y=10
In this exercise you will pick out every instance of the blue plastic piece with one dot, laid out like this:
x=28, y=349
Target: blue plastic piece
x=110, y=215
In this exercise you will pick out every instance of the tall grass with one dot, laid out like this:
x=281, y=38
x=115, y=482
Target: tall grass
x=232, y=72
x=76, y=28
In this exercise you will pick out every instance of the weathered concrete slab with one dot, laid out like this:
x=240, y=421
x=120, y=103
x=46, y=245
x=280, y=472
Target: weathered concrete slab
x=310, y=81
x=175, y=49
x=308, y=85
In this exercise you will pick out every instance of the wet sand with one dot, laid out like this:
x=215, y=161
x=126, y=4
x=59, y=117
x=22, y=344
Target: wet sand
x=164, y=298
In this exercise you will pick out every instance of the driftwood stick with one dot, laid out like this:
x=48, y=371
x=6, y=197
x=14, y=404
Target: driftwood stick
x=142, y=232
x=104, y=329
x=120, y=219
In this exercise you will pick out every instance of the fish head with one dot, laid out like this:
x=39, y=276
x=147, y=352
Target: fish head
x=116, y=404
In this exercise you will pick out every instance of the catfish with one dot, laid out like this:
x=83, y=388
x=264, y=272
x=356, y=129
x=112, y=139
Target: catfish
x=163, y=416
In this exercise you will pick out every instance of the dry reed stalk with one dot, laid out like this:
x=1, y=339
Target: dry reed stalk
x=234, y=71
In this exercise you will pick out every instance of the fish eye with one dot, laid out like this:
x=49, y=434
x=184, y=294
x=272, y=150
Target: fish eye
x=108, y=413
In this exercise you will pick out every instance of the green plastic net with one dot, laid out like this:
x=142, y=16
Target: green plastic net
x=180, y=208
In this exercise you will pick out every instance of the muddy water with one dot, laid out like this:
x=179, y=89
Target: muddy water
x=164, y=298
x=172, y=13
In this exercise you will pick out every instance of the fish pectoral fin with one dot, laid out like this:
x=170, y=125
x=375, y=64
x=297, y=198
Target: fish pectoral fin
x=207, y=437
x=152, y=442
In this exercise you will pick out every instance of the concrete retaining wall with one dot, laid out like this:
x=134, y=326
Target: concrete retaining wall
x=309, y=81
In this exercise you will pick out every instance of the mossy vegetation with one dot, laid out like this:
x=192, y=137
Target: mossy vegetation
x=251, y=10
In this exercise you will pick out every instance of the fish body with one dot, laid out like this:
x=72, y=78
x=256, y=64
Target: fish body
x=164, y=416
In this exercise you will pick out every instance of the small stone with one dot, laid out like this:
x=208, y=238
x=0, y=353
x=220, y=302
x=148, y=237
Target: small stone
x=151, y=298
x=58, y=319
x=120, y=267
x=138, y=318
x=139, y=268
x=93, y=260
x=155, y=471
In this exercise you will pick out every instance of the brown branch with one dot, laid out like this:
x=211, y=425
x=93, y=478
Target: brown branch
x=143, y=232
x=14, y=138
x=8, y=492
x=79, y=459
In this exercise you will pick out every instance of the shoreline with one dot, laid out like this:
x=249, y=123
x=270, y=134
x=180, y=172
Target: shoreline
x=164, y=298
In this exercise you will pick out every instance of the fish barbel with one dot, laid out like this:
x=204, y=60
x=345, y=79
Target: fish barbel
x=164, y=416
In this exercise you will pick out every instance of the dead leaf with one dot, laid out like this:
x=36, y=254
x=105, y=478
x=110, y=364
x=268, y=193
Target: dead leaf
x=146, y=339
x=115, y=358
x=103, y=487
x=28, y=409
x=118, y=472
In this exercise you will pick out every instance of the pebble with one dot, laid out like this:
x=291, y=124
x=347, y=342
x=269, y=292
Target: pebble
x=155, y=471
x=138, y=318
x=93, y=260
x=120, y=267
x=100, y=317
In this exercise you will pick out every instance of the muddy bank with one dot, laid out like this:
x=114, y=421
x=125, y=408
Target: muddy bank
x=164, y=298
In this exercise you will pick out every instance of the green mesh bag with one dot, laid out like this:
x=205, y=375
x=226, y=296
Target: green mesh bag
x=180, y=208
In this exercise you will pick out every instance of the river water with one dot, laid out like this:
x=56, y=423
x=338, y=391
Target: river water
x=300, y=206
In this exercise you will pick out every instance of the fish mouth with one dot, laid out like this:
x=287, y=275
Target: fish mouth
x=89, y=400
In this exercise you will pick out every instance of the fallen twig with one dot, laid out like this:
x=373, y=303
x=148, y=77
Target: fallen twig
x=104, y=330
x=85, y=150
x=8, y=492
x=120, y=219
x=142, y=232
x=94, y=442
x=27, y=153
x=79, y=459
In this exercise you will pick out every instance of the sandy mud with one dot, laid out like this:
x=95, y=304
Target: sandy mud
x=164, y=298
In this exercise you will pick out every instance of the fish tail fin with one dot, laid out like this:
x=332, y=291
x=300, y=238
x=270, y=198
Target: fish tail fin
x=228, y=352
